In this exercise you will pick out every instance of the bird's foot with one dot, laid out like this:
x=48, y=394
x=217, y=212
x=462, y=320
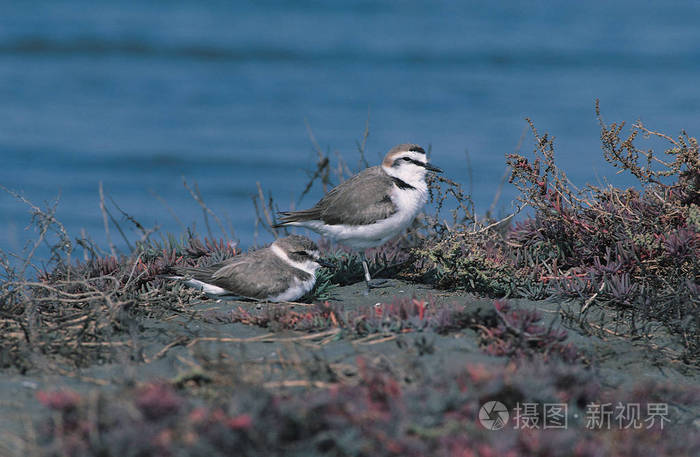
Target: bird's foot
x=375, y=284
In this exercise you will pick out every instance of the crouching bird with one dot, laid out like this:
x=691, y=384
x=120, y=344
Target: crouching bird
x=283, y=271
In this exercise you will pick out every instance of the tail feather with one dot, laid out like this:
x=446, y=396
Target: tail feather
x=199, y=278
x=288, y=217
x=201, y=273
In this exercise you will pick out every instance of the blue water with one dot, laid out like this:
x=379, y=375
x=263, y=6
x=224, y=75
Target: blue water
x=139, y=94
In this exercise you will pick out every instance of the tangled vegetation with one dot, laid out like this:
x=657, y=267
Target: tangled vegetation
x=633, y=251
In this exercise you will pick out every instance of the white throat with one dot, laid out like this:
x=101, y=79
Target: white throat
x=308, y=266
x=408, y=173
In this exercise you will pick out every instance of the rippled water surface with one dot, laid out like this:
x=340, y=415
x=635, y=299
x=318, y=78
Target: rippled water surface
x=138, y=95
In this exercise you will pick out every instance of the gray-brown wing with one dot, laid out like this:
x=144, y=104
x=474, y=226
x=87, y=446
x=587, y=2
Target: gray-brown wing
x=259, y=274
x=362, y=199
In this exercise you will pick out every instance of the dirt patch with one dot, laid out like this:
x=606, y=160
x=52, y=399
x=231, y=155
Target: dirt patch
x=203, y=360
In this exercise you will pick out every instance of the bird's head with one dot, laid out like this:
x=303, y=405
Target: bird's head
x=301, y=251
x=409, y=163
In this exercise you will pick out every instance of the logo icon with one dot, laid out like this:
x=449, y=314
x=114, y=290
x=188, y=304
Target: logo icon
x=493, y=415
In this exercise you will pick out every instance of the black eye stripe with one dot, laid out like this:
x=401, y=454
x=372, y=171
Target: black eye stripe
x=397, y=162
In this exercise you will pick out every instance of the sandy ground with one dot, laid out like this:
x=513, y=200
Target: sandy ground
x=288, y=359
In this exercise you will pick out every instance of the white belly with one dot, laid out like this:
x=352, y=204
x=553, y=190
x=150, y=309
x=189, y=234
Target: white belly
x=296, y=291
x=408, y=204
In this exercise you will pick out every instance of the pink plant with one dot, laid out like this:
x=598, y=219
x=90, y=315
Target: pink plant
x=157, y=400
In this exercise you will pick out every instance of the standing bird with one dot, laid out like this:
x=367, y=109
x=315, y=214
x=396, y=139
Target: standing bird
x=283, y=271
x=373, y=206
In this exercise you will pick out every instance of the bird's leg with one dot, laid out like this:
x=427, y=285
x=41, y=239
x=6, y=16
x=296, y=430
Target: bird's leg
x=368, y=278
x=369, y=282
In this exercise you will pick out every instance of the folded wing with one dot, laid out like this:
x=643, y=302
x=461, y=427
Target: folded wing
x=361, y=200
x=253, y=275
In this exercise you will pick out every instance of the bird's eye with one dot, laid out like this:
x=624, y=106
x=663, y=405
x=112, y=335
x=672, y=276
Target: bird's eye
x=400, y=160
x=302, y=253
